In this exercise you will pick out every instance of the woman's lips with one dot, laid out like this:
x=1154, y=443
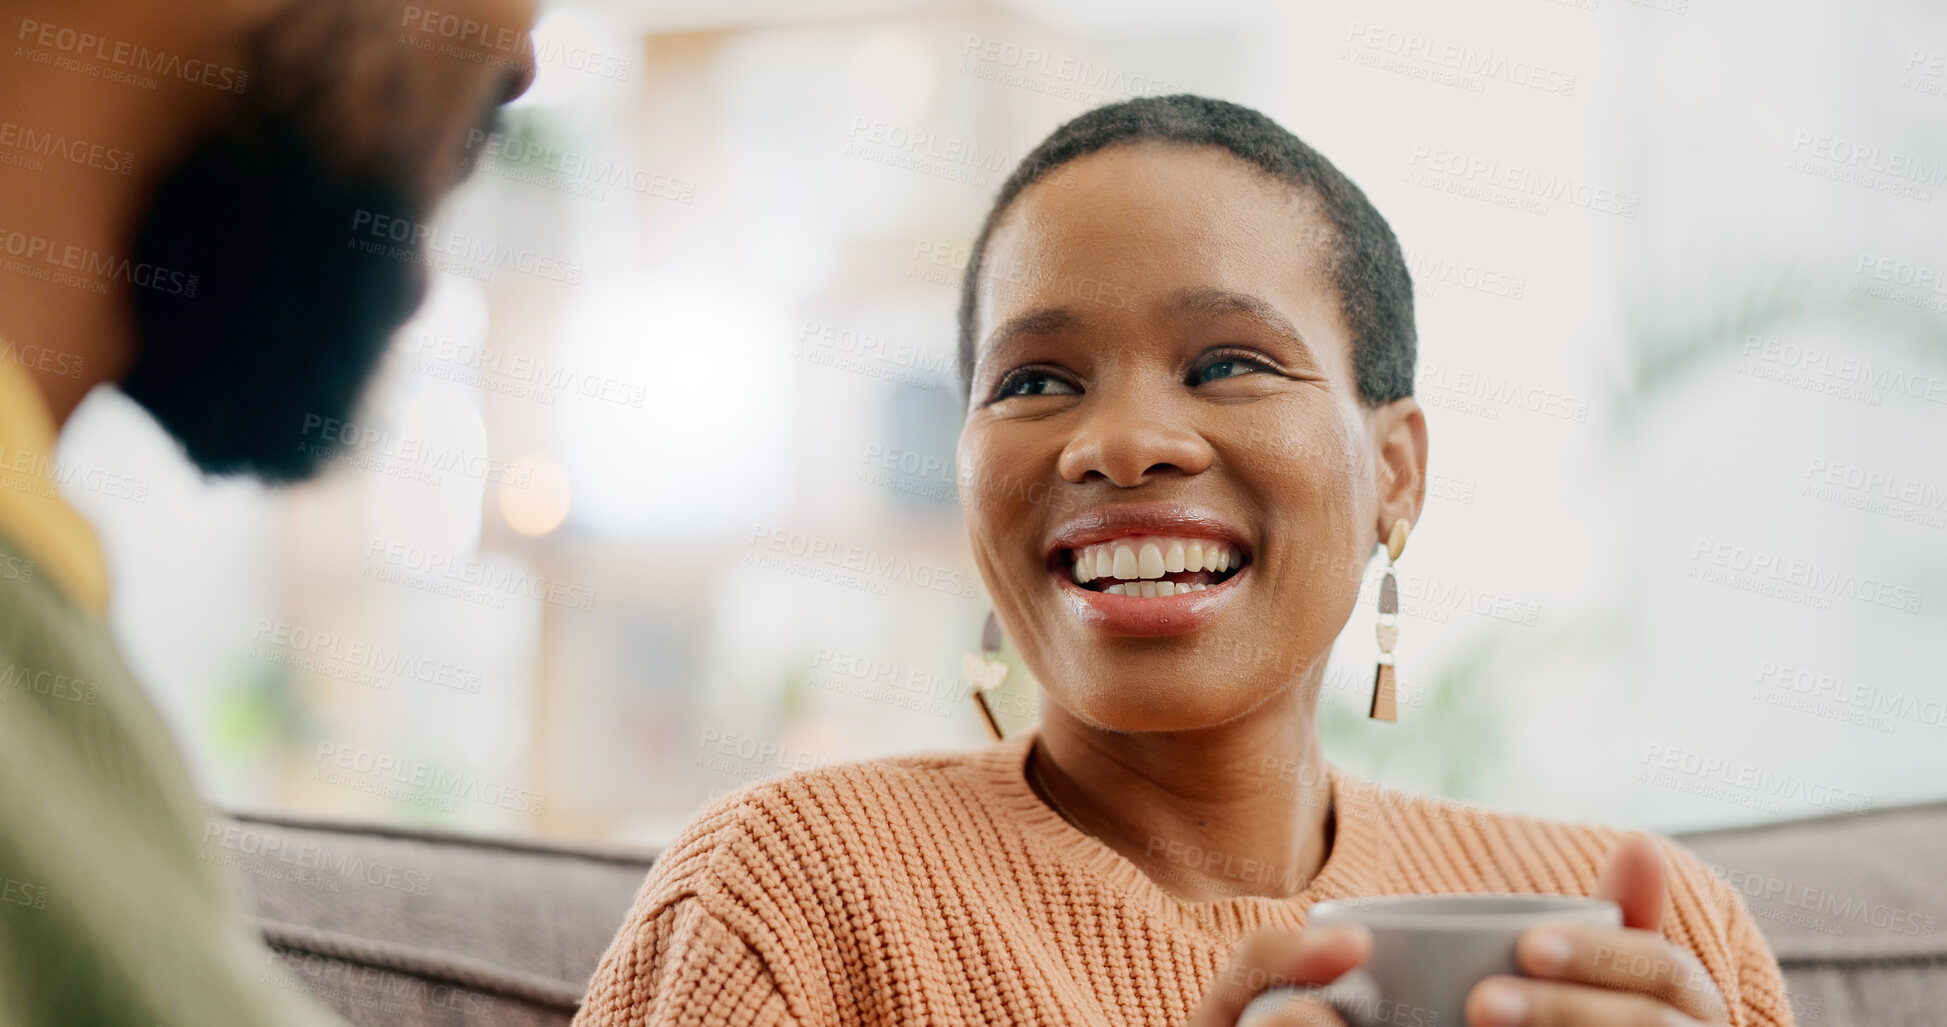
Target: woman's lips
x=1142, y=546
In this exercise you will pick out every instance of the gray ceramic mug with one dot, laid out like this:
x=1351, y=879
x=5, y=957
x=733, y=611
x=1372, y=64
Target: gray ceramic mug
x=1428, y=952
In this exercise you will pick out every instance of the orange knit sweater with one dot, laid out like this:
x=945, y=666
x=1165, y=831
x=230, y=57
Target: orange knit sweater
x=937, y=888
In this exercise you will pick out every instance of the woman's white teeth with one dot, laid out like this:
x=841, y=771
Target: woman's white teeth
x=1153, y=589
x=1141, y=560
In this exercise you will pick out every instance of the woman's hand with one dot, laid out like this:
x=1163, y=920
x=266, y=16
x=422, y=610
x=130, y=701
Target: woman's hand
x=1283, y=959
x=1600, y=976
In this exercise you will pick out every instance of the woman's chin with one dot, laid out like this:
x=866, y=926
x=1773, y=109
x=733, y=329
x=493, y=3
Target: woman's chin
x=1149, y=707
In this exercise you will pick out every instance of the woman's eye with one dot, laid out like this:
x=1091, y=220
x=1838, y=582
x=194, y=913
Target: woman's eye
x=1034, y=383
x=1227, y=367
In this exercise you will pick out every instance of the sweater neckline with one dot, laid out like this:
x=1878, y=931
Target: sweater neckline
x=1350, y=867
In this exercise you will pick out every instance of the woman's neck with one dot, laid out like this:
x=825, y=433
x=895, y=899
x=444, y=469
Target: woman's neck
x=1241, y=809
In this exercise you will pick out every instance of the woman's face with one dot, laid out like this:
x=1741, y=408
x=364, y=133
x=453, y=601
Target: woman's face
x=1171, y=483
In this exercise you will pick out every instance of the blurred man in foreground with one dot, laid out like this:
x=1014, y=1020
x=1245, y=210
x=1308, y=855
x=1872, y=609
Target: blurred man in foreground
x=181, y=190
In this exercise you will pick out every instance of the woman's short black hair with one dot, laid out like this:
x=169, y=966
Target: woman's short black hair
x=1358, y=247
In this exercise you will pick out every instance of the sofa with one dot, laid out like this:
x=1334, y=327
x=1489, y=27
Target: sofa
x=394, y=926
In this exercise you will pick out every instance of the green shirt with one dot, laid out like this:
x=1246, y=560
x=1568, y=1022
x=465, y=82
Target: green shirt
x=111, y=911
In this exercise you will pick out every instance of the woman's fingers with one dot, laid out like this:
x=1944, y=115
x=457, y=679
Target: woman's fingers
x=1622, y=960
x=1273, y=959
x=1297, y=1009
x=1635, y=879
x=1521, y=1002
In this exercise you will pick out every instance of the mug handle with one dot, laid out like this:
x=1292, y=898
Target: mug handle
x=1354, y=997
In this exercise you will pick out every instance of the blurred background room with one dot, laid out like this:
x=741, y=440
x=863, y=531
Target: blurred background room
x=656, y=495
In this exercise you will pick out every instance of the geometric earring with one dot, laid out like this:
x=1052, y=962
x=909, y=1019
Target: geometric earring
x=1383, y=705
x=985, y=672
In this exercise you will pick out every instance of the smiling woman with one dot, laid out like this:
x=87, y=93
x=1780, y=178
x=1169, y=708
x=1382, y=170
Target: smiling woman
x=1159, y=474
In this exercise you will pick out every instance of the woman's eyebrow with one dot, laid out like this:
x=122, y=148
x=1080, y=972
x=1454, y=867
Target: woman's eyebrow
x=1044, y=321
x=1210, y=302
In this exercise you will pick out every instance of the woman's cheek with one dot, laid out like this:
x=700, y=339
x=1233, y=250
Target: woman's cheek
x=994, y=518
x=1315, y=491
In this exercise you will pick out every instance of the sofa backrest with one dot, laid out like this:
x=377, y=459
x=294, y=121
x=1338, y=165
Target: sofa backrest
x=402, y=927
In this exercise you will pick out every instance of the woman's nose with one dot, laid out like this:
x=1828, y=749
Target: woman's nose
x=1128, y=444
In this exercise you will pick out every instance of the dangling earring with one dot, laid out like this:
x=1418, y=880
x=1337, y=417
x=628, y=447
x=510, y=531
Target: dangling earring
x=985, y=672
x=1383, y=706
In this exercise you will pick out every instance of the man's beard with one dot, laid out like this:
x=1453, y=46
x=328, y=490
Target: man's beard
x=289, y=317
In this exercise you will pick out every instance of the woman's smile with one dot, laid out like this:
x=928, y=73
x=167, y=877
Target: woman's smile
x=1147, y=569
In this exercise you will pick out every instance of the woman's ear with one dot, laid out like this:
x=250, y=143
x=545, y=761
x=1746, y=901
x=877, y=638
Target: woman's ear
x=1399, y=439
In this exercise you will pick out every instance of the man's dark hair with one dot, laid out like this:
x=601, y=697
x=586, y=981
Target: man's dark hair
x=1358, y=248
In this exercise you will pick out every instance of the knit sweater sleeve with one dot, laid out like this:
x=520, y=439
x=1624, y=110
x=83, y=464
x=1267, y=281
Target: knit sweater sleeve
x=687, y=952
x=1709, y=917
